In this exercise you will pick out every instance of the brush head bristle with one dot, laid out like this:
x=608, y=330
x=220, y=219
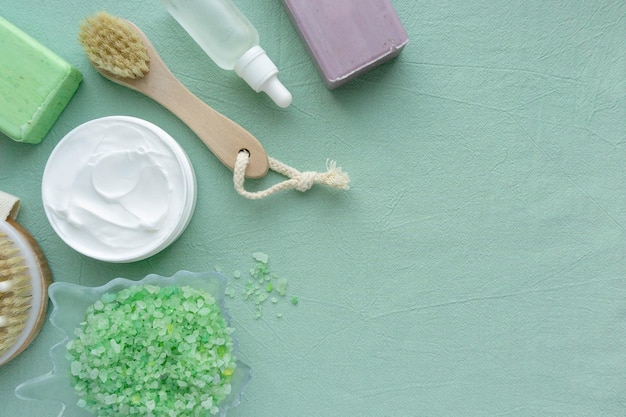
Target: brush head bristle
x=15, y=294
x=111, y=45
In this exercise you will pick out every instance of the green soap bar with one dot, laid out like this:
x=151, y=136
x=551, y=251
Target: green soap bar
x=35, y=85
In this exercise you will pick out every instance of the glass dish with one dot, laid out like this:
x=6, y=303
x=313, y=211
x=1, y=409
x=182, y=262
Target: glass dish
x=70, y=303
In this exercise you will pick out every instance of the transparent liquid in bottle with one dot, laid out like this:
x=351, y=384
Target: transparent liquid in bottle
x=231, y=41
x=218, y=26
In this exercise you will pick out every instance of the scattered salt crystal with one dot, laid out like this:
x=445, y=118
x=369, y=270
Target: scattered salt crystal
x=261, y=257
x=230, y=291
x=261, y=285
x=281, y=286
x=261, y=298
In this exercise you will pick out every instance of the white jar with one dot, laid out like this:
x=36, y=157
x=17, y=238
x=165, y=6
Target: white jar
x=118, y=189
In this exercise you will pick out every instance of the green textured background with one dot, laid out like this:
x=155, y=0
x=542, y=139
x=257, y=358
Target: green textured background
x=477, y=265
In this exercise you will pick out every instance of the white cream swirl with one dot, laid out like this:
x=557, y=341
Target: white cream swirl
x=114, y=188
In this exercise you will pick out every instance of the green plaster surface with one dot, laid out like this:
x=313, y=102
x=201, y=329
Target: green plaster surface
x=477, y=265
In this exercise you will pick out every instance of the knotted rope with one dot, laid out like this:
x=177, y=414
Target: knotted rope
x=302, y=181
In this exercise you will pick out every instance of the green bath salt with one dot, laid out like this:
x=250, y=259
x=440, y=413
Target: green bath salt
x=152, y=351
x=261, y=285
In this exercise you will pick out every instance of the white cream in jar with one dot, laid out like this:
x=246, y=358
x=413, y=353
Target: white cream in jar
x=118, y=189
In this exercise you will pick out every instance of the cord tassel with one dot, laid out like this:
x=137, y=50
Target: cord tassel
x=302, y=181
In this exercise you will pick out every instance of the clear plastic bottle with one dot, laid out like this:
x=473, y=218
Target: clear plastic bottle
x=230, y=40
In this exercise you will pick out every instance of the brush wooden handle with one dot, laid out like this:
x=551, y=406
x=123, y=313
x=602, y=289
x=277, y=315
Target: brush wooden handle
x=222, y=136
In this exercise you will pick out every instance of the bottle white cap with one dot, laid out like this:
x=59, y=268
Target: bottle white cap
x=258, y=70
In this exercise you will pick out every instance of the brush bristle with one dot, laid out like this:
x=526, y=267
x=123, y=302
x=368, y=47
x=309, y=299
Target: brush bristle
x=111, y=45
x=15, y=293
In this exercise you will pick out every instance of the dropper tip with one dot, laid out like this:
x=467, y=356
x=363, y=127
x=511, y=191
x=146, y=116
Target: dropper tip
x=260, y=73
x=277, y=92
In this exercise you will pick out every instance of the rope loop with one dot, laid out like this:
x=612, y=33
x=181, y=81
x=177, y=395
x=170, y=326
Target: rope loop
x=301, y=181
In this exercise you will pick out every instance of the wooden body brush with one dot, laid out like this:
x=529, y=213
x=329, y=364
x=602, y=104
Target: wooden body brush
x=122, y=53
x=24, y=280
